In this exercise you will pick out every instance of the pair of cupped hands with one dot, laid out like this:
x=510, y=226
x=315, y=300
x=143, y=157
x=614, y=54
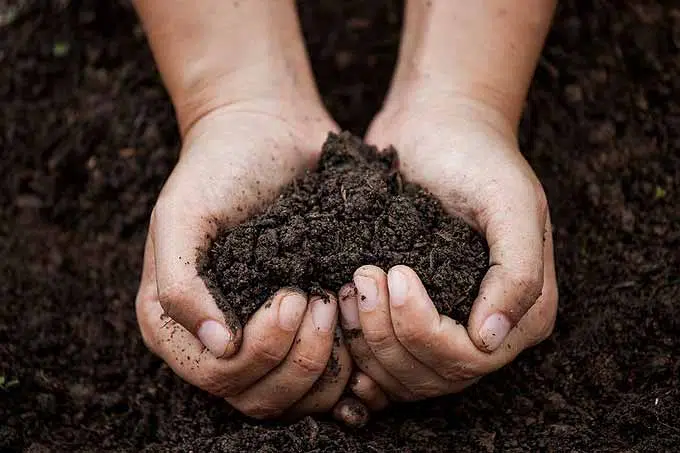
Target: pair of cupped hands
x=396, y=346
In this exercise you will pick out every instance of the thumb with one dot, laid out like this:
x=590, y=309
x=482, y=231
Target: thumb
x=515, y=277
x=177, y=234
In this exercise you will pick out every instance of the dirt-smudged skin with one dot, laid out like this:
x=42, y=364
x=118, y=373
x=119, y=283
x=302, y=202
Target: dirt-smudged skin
x=354, y=209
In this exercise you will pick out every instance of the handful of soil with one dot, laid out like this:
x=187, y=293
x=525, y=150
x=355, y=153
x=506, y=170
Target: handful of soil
x=354, y=209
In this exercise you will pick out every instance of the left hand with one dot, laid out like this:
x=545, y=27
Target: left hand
x=286, y=361
x=467, y=155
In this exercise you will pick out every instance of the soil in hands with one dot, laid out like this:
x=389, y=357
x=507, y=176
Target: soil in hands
x=354, y=209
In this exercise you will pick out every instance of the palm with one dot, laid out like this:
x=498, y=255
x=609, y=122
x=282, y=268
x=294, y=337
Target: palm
x=463, y=161
x=472, y=163
x=232, y=162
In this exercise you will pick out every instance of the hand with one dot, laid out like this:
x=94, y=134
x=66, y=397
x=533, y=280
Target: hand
x=467, y=155
x=234, y=159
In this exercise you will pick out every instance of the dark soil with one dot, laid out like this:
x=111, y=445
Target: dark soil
x=87, y=138
x=354, y=209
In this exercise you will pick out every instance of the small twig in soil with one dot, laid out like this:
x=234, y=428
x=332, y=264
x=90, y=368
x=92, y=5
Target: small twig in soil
x=647, y=409
x=444, y=236
x=461, y=299
x=626, y=284
x=400, y=183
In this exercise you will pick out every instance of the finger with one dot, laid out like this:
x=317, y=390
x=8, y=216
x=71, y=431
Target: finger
x=538, y=323
x=360, y=351
x=441, y=342
x=267, y=339
x=368, y=391
x=306, y=361
x=376, y=325
x=436, y=340
x=326, y=392
x=177, y=233
x=147, y=309
x=515, y=235
x=351, y=412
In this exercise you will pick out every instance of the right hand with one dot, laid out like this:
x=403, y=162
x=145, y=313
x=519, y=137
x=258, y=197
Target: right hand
x=234, y=159
x=466, y=154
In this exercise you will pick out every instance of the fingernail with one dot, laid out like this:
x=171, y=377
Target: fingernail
x=351, y=412
x=214, y=336
x=368, y=292
x=291, y=310
x=348, y=308
x=398, y=286
x=494, y=330
x=323, y=314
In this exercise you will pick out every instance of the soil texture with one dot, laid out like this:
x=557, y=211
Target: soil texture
x=354, y=209
x=87, y=138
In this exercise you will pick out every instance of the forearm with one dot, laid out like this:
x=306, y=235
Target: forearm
x=485, y=50
x=216, y=52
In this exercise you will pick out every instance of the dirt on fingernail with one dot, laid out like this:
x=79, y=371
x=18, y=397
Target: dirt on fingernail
x=352, y=413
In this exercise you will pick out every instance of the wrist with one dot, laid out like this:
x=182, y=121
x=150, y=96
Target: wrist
x=215, y=53
x=267, y=86
x=422, y=99
x=483, y=51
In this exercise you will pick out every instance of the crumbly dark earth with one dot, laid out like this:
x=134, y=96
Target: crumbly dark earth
x=354, y=209
x=87, y=138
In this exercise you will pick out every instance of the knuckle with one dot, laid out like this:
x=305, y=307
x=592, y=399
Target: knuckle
x=409, y=334
x=403, y=396
x=426, y=389
x=529, y=283
x=360, y=351
x=379, y=339
x=325, y=403
x=363, y=360
x=259, y=409
x=546, y=311
x=171, y=296
x=309, y=365
x=546, y=330
x=268, y=351
x=458, y=371
x=217, y=384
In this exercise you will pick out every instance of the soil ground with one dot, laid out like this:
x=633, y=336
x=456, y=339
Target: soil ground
x=87, y=137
